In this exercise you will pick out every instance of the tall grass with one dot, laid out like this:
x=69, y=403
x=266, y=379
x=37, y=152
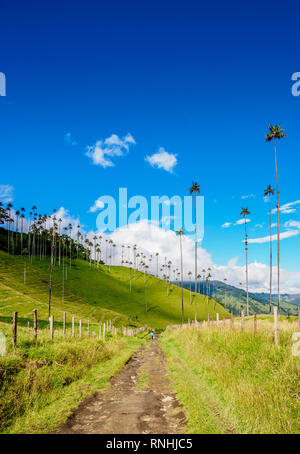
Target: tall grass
x=42, y=381
x=231, y=381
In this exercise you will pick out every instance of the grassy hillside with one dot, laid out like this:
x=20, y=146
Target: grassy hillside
x=235, y=299
x=94, y=293
x=232, y=382
x=293, y=299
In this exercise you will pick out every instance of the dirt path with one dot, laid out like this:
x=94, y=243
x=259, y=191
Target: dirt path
x=140, y=401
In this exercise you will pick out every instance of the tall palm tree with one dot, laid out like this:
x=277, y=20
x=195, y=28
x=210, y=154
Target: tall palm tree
x=78, y=236
x=195, y=189
x=225, y=279
x=245, y=213
x=157, y=254
x=267, y=193
x=180, y=233
x=9, y=220
x=70, y=230
x=189, y=275
x=51, y=268
x=276, y=133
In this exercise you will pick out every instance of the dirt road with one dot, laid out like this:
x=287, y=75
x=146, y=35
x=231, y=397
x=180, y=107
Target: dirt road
x=140, y=401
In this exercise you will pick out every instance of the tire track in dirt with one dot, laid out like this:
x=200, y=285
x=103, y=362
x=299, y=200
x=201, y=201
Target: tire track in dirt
x=140, y=401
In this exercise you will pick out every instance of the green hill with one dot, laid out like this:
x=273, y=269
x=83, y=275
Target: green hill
x=234, y=299
x=93, y=293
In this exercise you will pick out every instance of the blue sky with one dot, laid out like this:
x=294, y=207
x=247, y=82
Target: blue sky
x=201, y=80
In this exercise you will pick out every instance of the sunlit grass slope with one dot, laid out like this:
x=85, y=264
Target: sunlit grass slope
x=230, y=381
x=94, y=293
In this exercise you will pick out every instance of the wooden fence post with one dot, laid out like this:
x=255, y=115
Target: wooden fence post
x=100, y=331
x=255, y=324
x=35, y=323
x=103, y=332
x=223, y=322
x=51, y=327
x=243, y=321
x=276, y=337
x=73, y=327
x=88, y=328
x=64, y=324
x=208, y=320
x=218, y=321
x=231, y=320
x=14, y=329
x=80, y=328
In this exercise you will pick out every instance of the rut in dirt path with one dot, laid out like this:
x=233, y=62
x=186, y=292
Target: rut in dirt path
x=140, y=401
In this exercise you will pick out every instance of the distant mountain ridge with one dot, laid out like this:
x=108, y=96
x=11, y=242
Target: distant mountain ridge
x=234, y=299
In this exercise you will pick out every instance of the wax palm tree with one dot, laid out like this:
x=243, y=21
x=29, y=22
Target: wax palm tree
x=180, y=232
x=246, y=213
x=22, y=224
x=190, y=276
x=198, y=278
x=8, y=208
x=156, y=255
x=59, y=241
x=51, y=268
x=78, y=236
x=195, y=189
x=276, y=133
x=70, y=230
x=95, y=246
x=267, y=193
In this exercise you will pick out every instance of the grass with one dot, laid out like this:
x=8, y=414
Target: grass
x=42, y=381
x=143, y=381
x=233, y=382
x=95, y=294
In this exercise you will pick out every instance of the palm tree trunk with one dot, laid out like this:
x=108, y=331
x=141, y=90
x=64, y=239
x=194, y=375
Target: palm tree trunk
x=181, y=266
x=278, y=230
x=271, y=269
x=246, y=244
x=195, y=258
x=51, y=271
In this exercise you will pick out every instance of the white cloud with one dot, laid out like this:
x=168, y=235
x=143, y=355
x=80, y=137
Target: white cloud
x=102, y=152
x=226, y=225
x=248, y=196
x=292, y=223
x=166, y=220
x=232, y=262
x=151, y=238
x=6, y=193
x=242, y=221
x=287, y=207
x=68, y=139
x=98, y=205
x=238, y=222
x=259, y=277
x=154, y=239
x=283, y=235
x=67, y=219
x=162, y=160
